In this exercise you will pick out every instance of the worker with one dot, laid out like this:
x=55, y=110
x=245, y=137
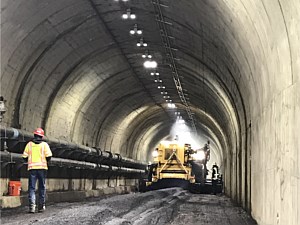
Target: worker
x=207, y=151
x=215, y=177
x=37, y=153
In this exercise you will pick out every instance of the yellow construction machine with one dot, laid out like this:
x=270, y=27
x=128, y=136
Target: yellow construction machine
x=176, y=164
x=171, y=161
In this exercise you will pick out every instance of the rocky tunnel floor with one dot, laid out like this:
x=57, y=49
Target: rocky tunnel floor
x=172, y=206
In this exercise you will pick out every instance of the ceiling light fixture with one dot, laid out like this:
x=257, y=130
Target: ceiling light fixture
x=135, y=30
x=150, y=64
x=128, y=15
x=180, y=121
x=154, y=73
x=147, y=55
x=141, y=43
x=171, y=105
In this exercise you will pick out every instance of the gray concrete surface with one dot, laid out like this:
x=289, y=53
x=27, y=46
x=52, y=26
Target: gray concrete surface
x=170, y=206
x=71, y=67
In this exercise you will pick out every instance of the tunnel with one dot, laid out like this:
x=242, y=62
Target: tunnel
x=116, y=76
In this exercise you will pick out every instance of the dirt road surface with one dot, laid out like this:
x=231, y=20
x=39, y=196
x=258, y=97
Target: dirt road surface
x=172, y=206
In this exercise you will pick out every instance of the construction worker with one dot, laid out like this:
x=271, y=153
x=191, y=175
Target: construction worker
x=37, y=153
x=215, y=177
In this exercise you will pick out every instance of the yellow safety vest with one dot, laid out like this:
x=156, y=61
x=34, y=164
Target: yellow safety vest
x=37, y=154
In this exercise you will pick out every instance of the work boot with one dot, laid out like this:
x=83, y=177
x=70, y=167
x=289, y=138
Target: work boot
x=32, y=209
x=41, y=208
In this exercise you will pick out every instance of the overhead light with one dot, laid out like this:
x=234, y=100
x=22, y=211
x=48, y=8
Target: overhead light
x=154, y=73
x=147, y=55
x=158, y=81
x=135, y=30
x=122, y=0
x=141, y=43
x=171, y=105
x=128, y=15
x=150, y=64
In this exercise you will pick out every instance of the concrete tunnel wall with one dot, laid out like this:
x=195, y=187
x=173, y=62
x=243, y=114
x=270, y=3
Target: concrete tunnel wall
x=75, y=73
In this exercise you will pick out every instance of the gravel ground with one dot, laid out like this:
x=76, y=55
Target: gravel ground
x=172, y=206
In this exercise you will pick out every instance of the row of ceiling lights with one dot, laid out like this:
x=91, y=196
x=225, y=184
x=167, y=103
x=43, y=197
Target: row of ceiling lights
x=149, y=63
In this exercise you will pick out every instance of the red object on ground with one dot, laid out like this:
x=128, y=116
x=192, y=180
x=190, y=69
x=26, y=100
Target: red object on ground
x=14, y=188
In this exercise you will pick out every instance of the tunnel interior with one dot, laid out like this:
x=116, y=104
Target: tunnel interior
x=231, y=68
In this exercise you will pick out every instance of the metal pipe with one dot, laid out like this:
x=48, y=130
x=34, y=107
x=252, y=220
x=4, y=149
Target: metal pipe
x=9, y=157
x=68, y=150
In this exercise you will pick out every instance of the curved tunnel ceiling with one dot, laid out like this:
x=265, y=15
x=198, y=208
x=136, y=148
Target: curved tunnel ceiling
x=72, y=67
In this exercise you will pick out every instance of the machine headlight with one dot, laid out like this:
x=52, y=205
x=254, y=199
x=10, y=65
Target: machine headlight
x=155, y=153
x=200, y=155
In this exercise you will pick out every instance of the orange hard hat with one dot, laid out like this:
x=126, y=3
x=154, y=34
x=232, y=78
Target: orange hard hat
x=39, y=132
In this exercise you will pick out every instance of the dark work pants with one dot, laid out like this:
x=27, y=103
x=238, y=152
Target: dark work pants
x=214, y=186
x=35, y=175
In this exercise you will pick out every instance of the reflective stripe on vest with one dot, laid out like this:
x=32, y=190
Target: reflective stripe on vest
x=29, y=153
x=42, y=164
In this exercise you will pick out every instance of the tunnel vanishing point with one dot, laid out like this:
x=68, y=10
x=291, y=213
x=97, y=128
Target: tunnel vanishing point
x=230, y=69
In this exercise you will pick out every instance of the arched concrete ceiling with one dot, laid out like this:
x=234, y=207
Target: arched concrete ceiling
x=72, y=67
